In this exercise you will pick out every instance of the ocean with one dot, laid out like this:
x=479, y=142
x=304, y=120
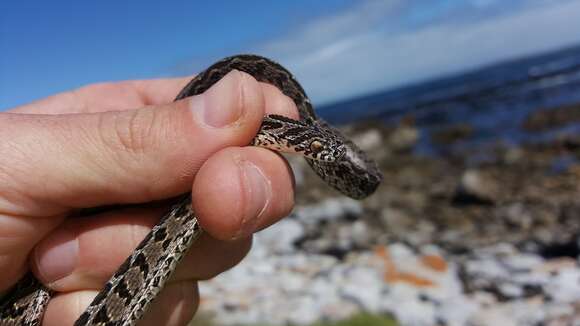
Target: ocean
x=493, y=102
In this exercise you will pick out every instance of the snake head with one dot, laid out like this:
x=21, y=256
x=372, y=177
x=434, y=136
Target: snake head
x=312, y=140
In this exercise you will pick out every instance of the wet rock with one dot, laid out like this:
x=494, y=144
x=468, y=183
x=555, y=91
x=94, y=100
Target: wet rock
x=452, y=134
x=545, y=119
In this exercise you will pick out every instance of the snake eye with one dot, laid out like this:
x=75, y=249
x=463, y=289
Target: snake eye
x=316, y=146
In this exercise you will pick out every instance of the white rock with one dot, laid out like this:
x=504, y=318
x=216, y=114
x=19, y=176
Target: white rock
x=522, y=262
x=304, y=310
x=510, y=290
x=407, y=309
x=362, y=286
x=487, y=269
x=329, y=210
x=369, y=139
x=491, y=317
x=400, y=252
x=456, y=311
x=280, y=237
x=564, y=287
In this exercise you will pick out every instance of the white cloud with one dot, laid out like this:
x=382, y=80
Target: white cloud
x=359, y=51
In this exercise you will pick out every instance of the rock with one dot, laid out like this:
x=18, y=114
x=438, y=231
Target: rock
x=280, y=237
x=476, y=188
x=513, y=155
x=487, y=270
x=545, y=119
x=329, y=210
x=564, y=286
x=555, y=265
x=403, y=304
x=369, y=140
x=361, y=285
x=522, y=262
x=516, y=214
x=510, y=290
x=450, y=314
x=561, y=314
x=492, y=316
x=304, y=310
x=452, y=134
x=355, y=235
x=403, y=138
x=396, y=220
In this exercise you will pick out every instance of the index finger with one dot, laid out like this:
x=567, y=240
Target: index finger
x=134, y=94
x=108, y=96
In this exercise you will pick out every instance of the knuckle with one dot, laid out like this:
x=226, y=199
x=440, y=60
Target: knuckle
x=130, y=131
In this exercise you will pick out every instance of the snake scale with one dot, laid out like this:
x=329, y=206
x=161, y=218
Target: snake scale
x=127, y=295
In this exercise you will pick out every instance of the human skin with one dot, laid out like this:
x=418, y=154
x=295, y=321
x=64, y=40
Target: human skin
x=129, y=143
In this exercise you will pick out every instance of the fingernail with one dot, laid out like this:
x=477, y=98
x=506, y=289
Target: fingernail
x=221, y=104
x=258, y=192
x=59, y=256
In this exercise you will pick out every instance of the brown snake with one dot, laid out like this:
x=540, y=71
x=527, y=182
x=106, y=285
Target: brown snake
x=127, y=295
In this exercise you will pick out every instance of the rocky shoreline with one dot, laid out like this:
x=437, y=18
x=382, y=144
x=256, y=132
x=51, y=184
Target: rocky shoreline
x=487, y=235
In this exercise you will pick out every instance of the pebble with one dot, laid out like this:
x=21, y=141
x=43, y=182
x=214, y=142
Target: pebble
x=476, y=186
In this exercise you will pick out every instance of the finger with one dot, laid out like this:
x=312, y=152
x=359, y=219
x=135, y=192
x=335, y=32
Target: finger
x=84, y=253
x=277, y=103
x=134, y=94
x=210, y=257
x=122, y=157
x=18, y=236
x=175, y=306
x=108, y=96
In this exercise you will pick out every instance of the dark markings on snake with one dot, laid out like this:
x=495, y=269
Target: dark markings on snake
x=160, y=234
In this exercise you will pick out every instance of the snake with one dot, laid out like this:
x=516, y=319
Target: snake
x=129, y=292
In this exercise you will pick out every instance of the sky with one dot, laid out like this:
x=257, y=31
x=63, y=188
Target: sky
x=337, y=49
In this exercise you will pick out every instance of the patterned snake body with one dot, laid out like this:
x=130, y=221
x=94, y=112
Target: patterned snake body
x=127, y=295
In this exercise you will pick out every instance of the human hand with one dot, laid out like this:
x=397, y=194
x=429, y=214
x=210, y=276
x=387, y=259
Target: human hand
x=127, y=143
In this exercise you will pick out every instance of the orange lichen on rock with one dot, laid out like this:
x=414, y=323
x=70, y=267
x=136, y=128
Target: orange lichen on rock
x=390, y=268
x=393, y=275
x=435, y=262
x=414, y=280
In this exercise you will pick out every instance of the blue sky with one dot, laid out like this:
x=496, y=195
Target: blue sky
x=337, y=49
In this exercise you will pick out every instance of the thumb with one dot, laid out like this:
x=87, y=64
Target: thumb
x=52, y=163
